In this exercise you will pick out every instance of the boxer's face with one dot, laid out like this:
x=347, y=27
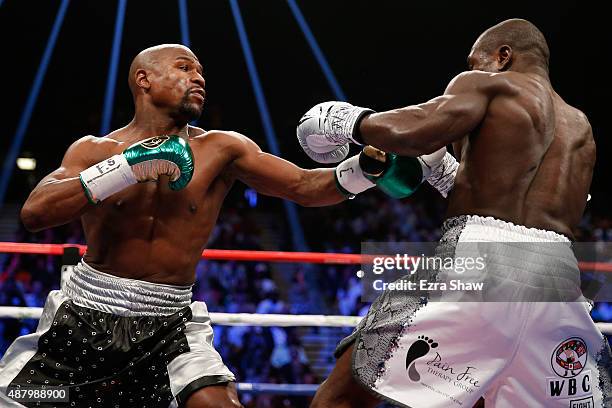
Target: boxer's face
x=179, y=84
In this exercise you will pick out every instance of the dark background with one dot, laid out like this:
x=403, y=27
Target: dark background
x=385, y=54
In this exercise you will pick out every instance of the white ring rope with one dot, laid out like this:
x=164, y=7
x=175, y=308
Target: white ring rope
x=225, y=319
x=248, y=319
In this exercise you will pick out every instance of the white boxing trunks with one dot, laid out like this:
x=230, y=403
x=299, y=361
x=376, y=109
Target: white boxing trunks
x=116, y=342
x=428, y=354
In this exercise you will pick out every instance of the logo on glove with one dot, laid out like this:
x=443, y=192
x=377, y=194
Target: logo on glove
x=345, y=170
x=154, y=142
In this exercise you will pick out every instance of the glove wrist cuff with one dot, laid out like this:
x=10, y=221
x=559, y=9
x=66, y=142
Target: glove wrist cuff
x=107, y=178
x=356, y=134
x=349, y=119
x=442, y=177
x=350, y=177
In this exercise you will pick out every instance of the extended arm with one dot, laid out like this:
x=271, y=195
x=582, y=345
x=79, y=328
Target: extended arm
x=326, y=130
x=397, y=176
x=271, y=175
x=425, y=128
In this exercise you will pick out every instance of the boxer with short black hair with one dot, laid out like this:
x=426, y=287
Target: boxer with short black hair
x=526, y=161
x=123, y=331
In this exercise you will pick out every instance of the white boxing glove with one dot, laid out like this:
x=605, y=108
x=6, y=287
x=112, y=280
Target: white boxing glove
x=439, y=169
x=325, y=131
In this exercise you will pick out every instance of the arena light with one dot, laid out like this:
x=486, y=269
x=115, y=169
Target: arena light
x=316, y=50
x=26, y=163
x=111, y=80
x=184, y=22
x=588, y=197
x=299, y=240
x=24, y=120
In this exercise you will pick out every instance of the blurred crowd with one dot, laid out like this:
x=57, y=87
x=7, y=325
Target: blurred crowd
x=254, y=354
x=266, y=354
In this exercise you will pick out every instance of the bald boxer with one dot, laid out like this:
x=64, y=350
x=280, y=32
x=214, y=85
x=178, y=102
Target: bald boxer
x=525, y=163
x=122, y=331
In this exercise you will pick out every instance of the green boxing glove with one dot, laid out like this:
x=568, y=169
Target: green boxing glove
x=141, y=162
x=397, y=176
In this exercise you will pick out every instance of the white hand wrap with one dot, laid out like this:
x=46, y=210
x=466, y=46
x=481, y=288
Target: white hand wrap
x=350, y=177
x=441, y=175
x=107, y=177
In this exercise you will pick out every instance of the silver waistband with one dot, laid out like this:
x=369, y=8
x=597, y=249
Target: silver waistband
x=91, y=288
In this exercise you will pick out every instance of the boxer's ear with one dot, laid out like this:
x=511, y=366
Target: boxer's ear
x=142, y=81
x=504, y=57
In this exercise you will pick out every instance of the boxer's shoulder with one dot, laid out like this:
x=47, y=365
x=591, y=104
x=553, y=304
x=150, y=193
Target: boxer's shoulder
x=108, y=143
x=226, y=140
x=90, y=146
x=223, y=136
x=509, y=83
x=91, y=140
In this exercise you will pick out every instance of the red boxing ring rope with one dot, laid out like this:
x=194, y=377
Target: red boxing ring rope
x=219, y=254
x=246, y=255
x=253, y=319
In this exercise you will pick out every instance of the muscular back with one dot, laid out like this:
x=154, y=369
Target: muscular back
x=530, y=161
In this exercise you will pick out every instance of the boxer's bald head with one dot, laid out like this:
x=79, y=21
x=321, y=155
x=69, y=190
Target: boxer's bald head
x=168, y=76
x=153, y=58
x=501, y=45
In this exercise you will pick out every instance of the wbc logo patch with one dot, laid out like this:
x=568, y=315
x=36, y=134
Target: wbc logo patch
x=568, y=361
x=569, y=358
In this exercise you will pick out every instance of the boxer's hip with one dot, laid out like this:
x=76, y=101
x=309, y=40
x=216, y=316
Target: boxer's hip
x=490, y=229
x=436, y=351
x=91, y=288
x=513, y=262
x=520, y=264
x=118, y=341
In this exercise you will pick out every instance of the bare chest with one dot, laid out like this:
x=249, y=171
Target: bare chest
x=155, y=201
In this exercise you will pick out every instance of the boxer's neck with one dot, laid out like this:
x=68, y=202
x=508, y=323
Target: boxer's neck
x=526, y=65
x=152, y=125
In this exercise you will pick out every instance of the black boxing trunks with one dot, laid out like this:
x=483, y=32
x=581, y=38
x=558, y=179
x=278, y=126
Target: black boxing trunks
x=117, y=343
